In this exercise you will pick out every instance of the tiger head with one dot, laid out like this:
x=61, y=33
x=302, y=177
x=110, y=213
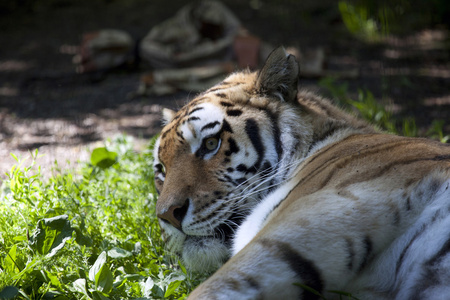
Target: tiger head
x=221, y=154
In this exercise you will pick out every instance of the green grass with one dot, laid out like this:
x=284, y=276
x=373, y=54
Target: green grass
x=368, y=108
x=90, y=234
x=359, y=21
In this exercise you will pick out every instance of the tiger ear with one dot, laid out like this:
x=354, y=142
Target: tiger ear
x=167, y=115
x=279, y=76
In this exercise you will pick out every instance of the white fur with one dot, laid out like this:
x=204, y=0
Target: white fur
x=156, y=159
x=431, y=230
x=254, y=222
x=192, y=129
x=204, y=253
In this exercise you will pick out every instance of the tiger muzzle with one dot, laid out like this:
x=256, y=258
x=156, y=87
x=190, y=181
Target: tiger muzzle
x=175, y=214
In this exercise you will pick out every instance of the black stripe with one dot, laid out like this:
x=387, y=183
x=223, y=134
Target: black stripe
x=332, y=128
x=194, y=110
x=242, y=168
x=201, y=208
x=252, y=282
x=266, y=168
x=381, y=171
x=221, y=95
x=210, y=125
x=158, y=167
x=304, y=268
x=232, y=283
x=438, y=256
x=223, y=85
x=180, y=135
x=165, y=133
x=226, y=178
x=216, y=211
x=368, y=247
x=196, y=101
x=433, y=274
x=234, y=148
x=276, y=134
x=226, y=126
x=321, y=167
x=434, y=185
x=240, y=181
x=193, y=119
x=397, y=216
x=351, y=253
x=177, y=116
x=252, y=130
x=408, y=203
x=374, y=149
x=442, y=157
x=234, y=112
x=402, y=255
x=241, y=281
x=226, y=104
x=216, y=89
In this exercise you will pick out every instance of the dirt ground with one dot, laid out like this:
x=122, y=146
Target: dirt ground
x=44, y=104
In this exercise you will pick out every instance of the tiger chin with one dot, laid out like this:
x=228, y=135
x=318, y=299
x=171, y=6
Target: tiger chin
x=278, y=189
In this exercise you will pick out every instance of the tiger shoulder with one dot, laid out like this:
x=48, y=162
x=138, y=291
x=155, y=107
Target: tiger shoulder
x=280, y=194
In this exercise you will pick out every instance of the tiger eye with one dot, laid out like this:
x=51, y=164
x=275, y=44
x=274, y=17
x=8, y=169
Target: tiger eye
x=211, y=143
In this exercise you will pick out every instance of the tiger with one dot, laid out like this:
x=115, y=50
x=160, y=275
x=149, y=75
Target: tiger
x=280, y=194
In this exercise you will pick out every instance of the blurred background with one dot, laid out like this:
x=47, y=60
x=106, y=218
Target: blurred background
x=389, y=60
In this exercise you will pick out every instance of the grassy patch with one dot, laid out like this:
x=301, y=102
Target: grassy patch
x=368, y=108
x=86, y=235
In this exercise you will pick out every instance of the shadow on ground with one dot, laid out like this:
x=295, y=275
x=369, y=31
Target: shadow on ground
x=44, y=104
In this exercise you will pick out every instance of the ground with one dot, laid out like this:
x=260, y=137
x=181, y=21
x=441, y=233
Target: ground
x=45, y=104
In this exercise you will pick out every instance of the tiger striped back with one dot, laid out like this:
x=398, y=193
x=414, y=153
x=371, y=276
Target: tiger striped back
x=280, y=190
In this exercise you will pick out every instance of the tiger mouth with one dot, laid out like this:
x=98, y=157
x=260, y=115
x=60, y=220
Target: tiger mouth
x=208, y=252
x=227, y=229
x=224, y=232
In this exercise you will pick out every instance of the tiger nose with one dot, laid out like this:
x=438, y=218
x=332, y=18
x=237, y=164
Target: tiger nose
x=175, y=214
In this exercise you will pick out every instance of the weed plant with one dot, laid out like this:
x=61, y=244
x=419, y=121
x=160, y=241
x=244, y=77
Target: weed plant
x=91, y=234
x=368, y=108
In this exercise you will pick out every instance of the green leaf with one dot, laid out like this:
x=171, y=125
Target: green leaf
x=99, y=296
x=101, y=274
x=101, y=260
x=10, y=261
x=341, y=293
x=172, y=287
x=104, y=279
x=15, y=157
x=147, y=287
x=51, y=234
x=9, y=292
x=183, y=269
x=157, y=292
x=103, y=158
x=53, y=279
x=79, y=286
x=119, y=253
x=137, y=248
x=20, y=238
